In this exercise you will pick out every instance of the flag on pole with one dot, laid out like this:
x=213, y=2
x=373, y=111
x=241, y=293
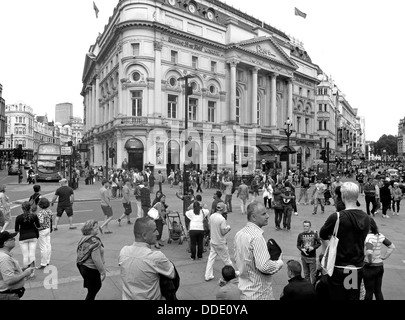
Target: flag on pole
x=300, y=13
x=95, y=9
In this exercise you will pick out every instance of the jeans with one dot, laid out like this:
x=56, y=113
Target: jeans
x=92, y=281
x=371, y=199
x=321, y=202
x=309, y=267
x=393, y=205
x=287, y=212
x=220, y=250
x=339, y=286
x=373, y=276
x=28, y=248
x=44, y=242
x=278, y=215
x=228, y=202
x=196, y=240
x=159, y=228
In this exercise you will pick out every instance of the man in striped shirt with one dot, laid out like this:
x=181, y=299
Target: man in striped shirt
x=252, y=256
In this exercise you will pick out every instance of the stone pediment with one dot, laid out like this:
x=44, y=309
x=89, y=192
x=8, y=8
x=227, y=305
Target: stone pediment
x=266, y=47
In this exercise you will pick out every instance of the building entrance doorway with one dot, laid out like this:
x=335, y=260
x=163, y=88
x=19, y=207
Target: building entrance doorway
x=135, y=154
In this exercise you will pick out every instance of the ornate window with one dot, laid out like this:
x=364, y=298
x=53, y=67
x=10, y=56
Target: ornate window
x=136, y=103
x=172, y=106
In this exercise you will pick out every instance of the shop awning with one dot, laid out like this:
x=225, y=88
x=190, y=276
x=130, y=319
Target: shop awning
x=284, y=149
x=267, y=148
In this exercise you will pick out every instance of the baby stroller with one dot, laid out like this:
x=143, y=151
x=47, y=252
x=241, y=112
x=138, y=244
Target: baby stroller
x=175, y=227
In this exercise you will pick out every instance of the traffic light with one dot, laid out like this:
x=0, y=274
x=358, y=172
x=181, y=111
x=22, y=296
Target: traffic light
x=111, y=152
x=323, y=155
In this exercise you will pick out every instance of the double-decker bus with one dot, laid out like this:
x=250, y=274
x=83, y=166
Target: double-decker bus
x=48, y=162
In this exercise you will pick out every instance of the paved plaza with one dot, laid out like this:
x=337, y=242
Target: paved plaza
x=69, y=285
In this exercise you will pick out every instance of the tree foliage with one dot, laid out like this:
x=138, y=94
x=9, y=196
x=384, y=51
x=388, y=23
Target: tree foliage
x=387, y=143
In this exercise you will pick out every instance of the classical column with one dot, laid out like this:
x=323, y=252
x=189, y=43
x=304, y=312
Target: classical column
x=157, y=108
x=254, y=95
x=86, y=101
x=290, y=99
x=91, y=106
x=96, y=115
x=266, y=113
x=232, y=98
x=273, y=105
x=94, y=105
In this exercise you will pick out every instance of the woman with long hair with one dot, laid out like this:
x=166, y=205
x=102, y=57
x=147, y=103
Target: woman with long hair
x=374, y=266
x=90, y=259
x=27, y=224
x=196, y=229
x=5, y=210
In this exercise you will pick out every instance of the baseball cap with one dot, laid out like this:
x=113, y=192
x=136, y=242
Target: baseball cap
x=220, y=206
x=62, y=180
x=5, y=235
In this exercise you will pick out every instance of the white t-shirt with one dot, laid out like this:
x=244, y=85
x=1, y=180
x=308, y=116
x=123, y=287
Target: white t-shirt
x=196, y=220
x=217, y=222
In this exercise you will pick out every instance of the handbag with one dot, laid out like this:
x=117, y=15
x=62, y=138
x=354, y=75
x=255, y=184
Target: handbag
x=153, y=213
x=277, y=205
x=329, y=257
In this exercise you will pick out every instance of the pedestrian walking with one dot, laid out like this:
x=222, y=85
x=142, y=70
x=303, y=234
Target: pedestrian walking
x=126, y=202
x=27, y=225
x=318, y=196
x=218, y=231
x=45, y=228
x=66, y=198
x=105, y=196
x=243, y=195
x=396, y=194
x=90, y=259
x=226, y=181
x=5, y=209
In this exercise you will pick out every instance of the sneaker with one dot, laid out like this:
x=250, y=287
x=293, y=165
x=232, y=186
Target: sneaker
x=209, y=278
x=296, y=213
x=129, y=222
x=119, y=222
x=313, y=212
x=237, y=273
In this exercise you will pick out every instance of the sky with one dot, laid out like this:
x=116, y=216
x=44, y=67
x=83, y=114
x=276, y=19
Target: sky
x=359, y=43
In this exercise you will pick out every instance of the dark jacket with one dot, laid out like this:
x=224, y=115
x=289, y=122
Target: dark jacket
x=353, y=228
x=385, y=194
x=169, y=287
x=298, y=289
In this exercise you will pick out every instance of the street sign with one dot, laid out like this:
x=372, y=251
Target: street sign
x=65, y=151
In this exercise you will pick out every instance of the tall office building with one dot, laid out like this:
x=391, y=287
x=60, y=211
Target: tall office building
x=63, y=112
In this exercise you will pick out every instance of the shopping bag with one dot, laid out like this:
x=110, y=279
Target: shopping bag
x=329, y=257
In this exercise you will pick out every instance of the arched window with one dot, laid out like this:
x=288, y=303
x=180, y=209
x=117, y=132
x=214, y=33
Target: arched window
x=238, y=100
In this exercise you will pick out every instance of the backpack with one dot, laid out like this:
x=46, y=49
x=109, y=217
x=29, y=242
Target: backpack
x=274, y=249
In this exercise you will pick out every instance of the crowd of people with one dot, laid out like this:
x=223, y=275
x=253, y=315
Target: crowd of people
x=147, y=274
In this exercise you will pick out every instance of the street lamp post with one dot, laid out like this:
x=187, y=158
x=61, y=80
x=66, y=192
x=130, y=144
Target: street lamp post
x=188, y=91
x=288, y=132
